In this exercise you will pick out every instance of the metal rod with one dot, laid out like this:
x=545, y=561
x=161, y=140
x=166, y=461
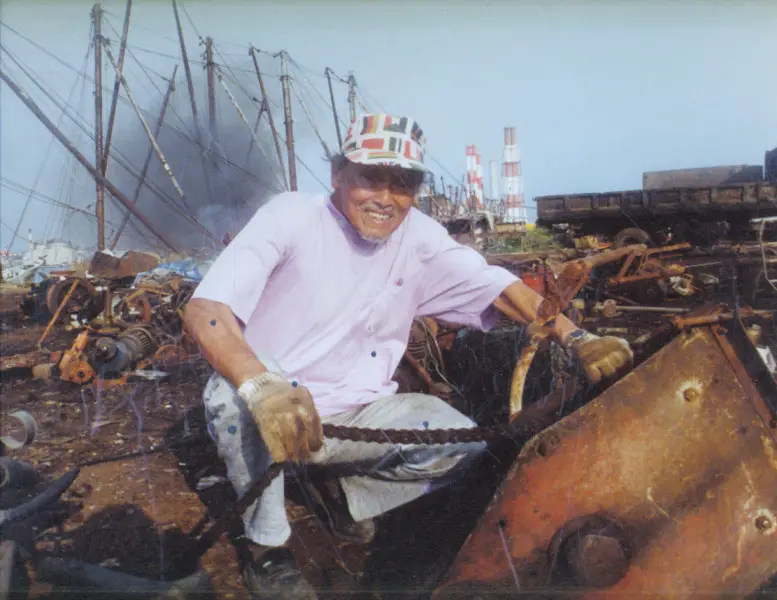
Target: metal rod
x=149, y=156
x=58, y=312
x=310, y=119
x=352, y=95
x=266, y=103
x=328, y=73
x=95, y=173
x=211, y=88
x=98, y=123
x=190, y=85
x=255, y=130
x=160, y=155
x=289, y=122
x=240, y=112
x=652, y=309
x=149, y=133
x=116, y=86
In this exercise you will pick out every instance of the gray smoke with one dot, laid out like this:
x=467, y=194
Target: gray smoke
x=239, y=180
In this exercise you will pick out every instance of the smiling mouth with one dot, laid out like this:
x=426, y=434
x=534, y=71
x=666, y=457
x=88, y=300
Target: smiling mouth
x=377, y=216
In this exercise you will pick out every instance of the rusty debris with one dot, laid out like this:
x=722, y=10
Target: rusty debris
x=623, y=496
x=594, y=491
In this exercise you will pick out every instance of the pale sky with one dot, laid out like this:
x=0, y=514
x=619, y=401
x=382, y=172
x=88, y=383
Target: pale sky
x=598, y=91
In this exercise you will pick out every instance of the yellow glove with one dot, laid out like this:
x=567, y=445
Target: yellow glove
x=600, y=357
x=285, y=416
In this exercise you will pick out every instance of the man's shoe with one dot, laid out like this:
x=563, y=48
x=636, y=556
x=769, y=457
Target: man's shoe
x=273, y=574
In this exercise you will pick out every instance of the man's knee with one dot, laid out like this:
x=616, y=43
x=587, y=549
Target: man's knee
x=434, y=413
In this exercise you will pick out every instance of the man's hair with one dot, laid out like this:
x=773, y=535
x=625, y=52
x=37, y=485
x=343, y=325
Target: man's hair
x=338, y=161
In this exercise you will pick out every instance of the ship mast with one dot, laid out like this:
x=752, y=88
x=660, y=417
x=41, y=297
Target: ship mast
x=98, y=123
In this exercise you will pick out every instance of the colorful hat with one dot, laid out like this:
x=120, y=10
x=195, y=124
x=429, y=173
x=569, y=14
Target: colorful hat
x=380, y=139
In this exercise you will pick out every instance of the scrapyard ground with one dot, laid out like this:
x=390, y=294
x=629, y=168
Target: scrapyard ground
x=133, y=515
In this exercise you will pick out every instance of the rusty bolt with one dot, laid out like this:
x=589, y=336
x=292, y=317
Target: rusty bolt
x=691, y=394
x=763, y=523
x=597, y=560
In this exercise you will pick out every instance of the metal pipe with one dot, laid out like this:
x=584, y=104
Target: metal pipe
x=289, y=122
x=328, y=73
x=190, y=85
x=147, y=129
x=116, y=86
x=255, y=130
x=98, y=123
x=266, y=103
x=83, y=576
x=49, y=495
x=211, y=88
x=149, y=156
x=352, y=96
x=241, y=114
x=17, y=474
x=29, y=103
x=654, y=309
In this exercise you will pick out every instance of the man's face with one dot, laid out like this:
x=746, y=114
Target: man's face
x=375, y=199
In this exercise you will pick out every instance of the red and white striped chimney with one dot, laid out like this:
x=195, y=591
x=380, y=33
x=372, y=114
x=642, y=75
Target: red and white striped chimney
x=512, y=178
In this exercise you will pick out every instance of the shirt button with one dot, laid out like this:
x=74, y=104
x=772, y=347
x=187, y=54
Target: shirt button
x=400, y=281
x=373, y=354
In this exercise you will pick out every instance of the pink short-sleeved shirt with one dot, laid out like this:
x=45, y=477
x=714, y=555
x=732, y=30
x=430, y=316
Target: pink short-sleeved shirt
x=326, y=308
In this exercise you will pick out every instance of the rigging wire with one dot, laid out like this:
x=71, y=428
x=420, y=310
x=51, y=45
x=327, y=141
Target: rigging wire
x=177, y=131
x=45, y=158
x=44, y=198
x=185, y=134
x=117, y=156
x=182, y=134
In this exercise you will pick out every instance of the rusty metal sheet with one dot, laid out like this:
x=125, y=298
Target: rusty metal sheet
x=664, y=486
x=113, y=267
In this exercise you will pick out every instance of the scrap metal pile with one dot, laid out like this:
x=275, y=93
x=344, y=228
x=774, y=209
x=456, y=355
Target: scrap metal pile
x=716, y=303
x=128, y=311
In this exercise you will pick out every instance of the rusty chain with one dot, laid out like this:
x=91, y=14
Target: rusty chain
x=528, y=423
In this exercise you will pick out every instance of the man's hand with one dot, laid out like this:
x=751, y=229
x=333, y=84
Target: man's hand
x=600, y=357
x=285, y=416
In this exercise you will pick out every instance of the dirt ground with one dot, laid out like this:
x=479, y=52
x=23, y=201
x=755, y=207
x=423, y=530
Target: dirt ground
x=135, y=515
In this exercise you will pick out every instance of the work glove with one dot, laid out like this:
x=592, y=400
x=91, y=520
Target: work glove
x=285, y=416
x=600, y=357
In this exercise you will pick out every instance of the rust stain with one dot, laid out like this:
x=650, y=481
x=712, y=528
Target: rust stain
x=680, y=477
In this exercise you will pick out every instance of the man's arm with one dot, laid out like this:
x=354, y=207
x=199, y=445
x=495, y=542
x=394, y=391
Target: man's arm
x=460, y=287
x=228, y=295
x=220, y=336
x=520, y=303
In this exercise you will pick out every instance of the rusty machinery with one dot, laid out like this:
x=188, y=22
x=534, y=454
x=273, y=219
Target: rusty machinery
x=663, y=486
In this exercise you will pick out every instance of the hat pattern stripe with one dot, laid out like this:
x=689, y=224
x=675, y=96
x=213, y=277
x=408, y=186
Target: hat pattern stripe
x=386, y=140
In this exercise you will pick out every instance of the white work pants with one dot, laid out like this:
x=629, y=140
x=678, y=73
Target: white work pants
x=395, y=474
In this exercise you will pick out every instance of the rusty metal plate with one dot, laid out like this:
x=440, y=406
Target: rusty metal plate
x=664, y=486
x=113, y=267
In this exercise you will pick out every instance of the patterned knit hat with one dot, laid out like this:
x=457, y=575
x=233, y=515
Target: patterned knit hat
x=380, y=139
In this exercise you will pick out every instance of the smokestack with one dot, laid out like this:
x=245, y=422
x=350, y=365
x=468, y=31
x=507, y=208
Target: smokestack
x=479, y=182
x=513, y=178
x=493, y=190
